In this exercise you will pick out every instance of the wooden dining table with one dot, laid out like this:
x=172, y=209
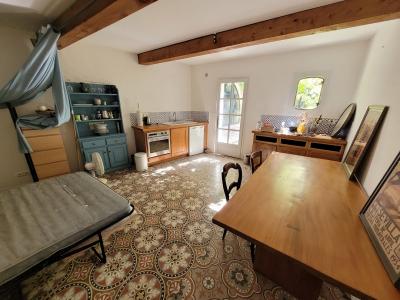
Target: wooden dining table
x=302, y=214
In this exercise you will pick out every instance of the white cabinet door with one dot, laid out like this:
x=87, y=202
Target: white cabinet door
x=196, y=140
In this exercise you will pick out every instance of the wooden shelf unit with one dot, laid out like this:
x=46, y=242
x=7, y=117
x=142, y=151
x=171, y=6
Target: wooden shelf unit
x=112, y=146
x=313, y=146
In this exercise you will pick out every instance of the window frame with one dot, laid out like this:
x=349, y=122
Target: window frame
x=323, y=87
x=243, y=99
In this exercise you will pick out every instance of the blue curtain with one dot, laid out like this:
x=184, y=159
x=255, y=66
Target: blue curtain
x=40, y=71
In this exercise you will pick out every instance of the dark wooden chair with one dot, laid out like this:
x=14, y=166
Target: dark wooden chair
x=228, y=189
x=255, y=160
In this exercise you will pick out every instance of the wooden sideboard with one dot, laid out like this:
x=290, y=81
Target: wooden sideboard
x=313, y=146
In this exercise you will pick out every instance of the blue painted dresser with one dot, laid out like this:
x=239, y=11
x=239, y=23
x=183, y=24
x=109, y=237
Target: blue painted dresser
x=111, y=146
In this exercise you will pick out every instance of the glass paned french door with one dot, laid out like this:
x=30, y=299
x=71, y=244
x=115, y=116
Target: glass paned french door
x=230, y=117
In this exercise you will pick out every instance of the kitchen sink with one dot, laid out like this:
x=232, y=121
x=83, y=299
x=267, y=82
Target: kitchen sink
x=182, y=122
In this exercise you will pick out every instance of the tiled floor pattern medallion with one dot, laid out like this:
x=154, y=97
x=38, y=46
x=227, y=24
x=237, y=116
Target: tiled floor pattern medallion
x=169, y=248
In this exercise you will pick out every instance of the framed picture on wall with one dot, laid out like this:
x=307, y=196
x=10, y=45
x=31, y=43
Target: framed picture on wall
x=365, y=133
x=381, y=218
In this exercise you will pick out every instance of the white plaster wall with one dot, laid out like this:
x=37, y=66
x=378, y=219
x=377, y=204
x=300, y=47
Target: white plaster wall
x=273, y=82
x=164, y=87
x=380, y=84
x=15, y=48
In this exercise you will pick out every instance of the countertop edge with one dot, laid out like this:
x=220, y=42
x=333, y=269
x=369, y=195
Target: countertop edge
x=302, y=137
x=157, y=127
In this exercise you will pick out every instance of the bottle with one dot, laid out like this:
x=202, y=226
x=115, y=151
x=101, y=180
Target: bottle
x=139, y=116
x=98, y=114
x=284, y=129
x=301, y=128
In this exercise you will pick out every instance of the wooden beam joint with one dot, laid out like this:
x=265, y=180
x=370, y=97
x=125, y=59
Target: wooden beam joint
x=214, y=38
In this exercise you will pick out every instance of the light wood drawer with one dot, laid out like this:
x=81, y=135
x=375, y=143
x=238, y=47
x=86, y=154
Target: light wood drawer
x=292, y=150
x=53, y=169
x=47, y=142
x=324, y=154
x=48, y=156
x=41, y=132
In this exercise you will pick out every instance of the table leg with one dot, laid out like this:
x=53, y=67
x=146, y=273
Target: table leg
x=291, y=276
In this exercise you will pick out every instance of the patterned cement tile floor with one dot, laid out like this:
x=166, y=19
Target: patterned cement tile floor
x=168, y=249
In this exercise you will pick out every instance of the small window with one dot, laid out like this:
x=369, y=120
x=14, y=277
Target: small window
x=308, y=93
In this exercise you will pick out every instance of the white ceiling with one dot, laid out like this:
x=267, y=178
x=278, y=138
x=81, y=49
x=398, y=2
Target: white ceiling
x=31, y=14
x=170, y=21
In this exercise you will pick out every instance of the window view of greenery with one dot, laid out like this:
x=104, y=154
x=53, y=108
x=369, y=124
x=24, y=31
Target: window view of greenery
x=308, y=93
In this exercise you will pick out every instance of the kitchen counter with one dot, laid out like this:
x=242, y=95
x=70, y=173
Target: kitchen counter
x=160, y=126
x=179, y=139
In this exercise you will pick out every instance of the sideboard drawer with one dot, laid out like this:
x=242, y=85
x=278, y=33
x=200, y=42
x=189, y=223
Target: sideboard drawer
x=292, y=150
x=324, y=154
x=116, y=140
x=94, y=143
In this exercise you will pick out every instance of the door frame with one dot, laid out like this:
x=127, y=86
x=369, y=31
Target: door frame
x=243, y=116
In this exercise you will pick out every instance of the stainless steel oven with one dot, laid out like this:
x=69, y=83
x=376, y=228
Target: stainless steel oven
x=158, y=143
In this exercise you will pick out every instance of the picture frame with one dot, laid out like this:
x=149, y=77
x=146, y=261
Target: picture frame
x=370, y=123
x=381, y=219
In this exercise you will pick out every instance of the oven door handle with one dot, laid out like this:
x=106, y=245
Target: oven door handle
x=155, y=139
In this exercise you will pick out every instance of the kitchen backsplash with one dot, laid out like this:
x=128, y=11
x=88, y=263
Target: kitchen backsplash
x=325, y=126
x=161, y=117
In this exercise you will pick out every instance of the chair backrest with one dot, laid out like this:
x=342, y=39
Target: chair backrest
x=224, y=174
x=255, y=160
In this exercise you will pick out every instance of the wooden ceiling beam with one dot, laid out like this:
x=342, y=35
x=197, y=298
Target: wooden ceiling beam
x=85, y=17
x=340, y=15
